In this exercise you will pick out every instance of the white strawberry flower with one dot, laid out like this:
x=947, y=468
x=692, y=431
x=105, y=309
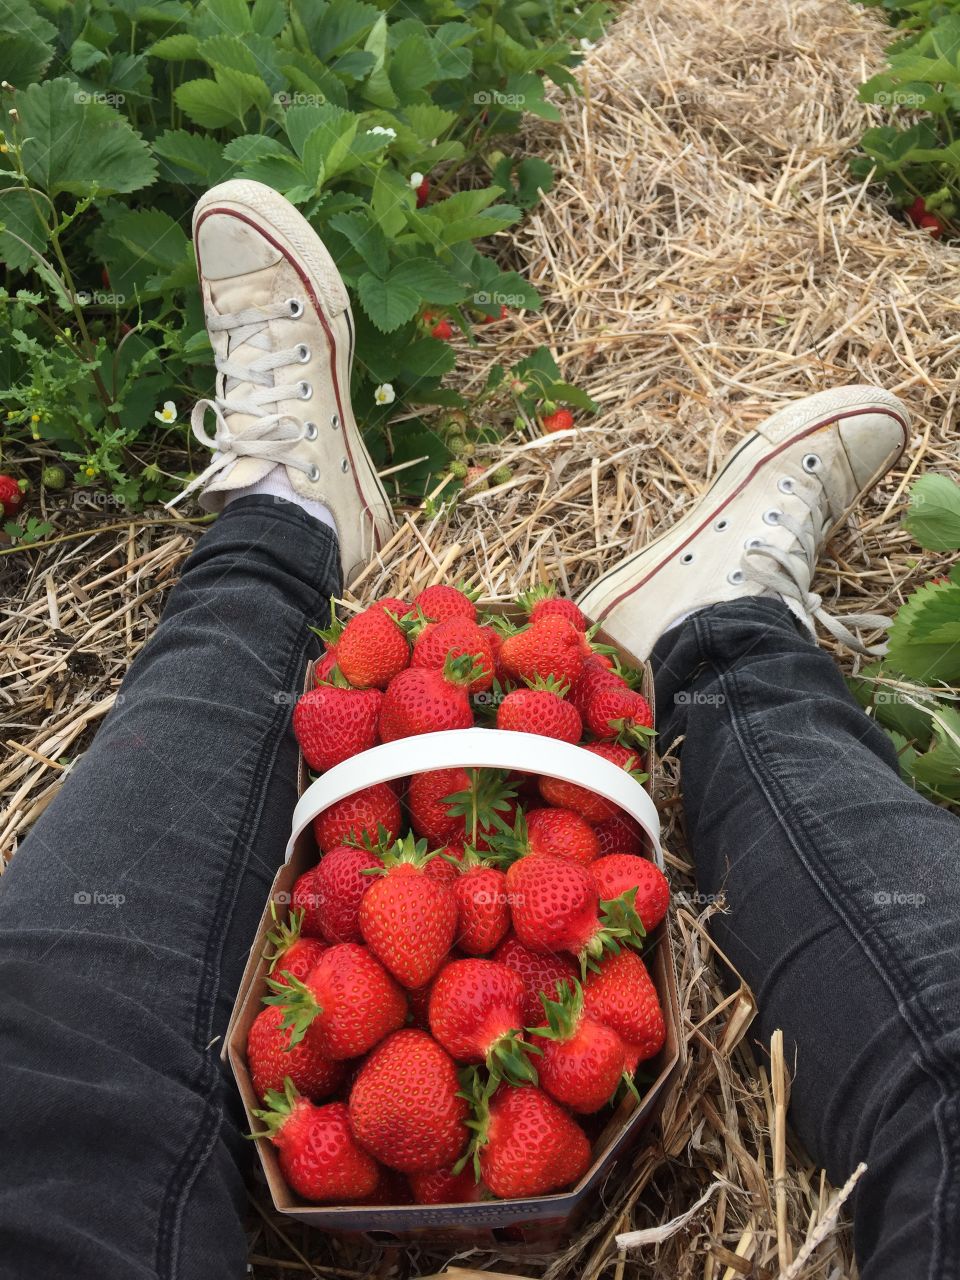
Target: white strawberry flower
x=586, y=44
x=168, y=413
x=415, y=180
x=385, y=393
x=384, y=131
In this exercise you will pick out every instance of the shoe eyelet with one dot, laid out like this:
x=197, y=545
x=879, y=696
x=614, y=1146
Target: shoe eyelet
x=303, y=353
x=687, y=558
x=735, y=578
x=310, y=431
x=785, y=484
x=313, y=475
x=335, y=421
x=344, y=465
x=811, y=462
x=751, y=544
x=772, y=516
x=296, y=308
x=304, y=390
x=721, y=524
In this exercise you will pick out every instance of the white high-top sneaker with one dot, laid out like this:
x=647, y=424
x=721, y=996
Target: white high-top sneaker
x=279, y=321
x=760, y=526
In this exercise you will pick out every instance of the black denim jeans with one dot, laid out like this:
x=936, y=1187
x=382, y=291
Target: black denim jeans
x=126, y=917
x=842, y=888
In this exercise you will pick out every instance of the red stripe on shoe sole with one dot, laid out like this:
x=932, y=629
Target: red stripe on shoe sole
x=823, y=422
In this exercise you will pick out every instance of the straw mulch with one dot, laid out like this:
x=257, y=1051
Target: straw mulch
x=704, y=257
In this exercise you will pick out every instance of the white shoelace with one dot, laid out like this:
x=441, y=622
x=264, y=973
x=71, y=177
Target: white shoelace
x=791, y=573
x=272, y=435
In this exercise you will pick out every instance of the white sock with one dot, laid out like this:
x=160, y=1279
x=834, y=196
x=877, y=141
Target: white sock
x=683, y=617
x=277, y=483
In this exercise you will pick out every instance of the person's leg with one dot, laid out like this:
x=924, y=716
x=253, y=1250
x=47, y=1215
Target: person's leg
x=126, y=918
x=841, y=884
x=842, y=910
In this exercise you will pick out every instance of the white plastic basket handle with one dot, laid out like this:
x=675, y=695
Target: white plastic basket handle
x=479, y=749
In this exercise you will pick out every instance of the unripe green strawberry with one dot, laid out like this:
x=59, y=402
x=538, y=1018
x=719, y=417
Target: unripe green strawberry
x=53, y=478
x=501, y=475
x=459, y=470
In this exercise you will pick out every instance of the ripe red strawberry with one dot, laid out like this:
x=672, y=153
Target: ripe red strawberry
x=339, y=883
x=11, y=496
x=441, y=868
x=271, y=1060
x=543, y=602
x=528, y=1145
x=930, y=222
x=372, y=649
x=459, y=805
x=570, y=795
x=408, y=919
x=446, y=1187
x=475, y=1013
x=551, y=647
x=917, y=210
x=332, y=724
x=393, y=604
x=624, y=714
x=583, y=1059
x=619, y=834
x=483, y=911
x=456, y=637
x=555, y=904
x=621, y=873
x=443, y=330
x=359, y=817
x=423, y=193
x=623, y=996
x=594, y=675
x=323, y=671
x=405, y=1104
x=540, y=971
x=421, y=701
x=307, y=903
x=440, y=602
x=347, y=1003
x=540, y=709
x=290, y=950
x=504, y=312
x=319, y=1155
x=563, y=833
x=559, y=420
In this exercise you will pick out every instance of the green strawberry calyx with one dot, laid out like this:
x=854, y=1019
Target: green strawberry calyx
x=283, y=935
x=409, y=851
x=550, y=684
x=278, y=1110
x=480, y=804
x=528, y=600
x=507, y=1058
x=629, y=733
x=508, y=844
x=299, y=1005
x=563, y=1014
x=477, y=1091
x=620, y=926
x=464, y=669
x=331, y=634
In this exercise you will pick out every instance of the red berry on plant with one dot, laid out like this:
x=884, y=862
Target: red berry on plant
x=11, y=496
x=559, y=420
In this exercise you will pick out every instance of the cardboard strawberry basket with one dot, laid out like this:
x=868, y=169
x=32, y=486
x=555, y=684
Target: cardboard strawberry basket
x=543, y=1222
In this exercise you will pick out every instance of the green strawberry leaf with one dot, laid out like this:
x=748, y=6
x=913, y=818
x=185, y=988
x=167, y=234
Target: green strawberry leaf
x=925, y=635
x=934, y=514
x=76, y=145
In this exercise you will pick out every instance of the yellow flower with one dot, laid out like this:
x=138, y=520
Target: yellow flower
x=34, y=417
x=90, y=471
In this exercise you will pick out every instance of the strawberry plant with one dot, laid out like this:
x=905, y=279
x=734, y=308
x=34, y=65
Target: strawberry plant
x=390, y=128
x=913, y=692
x=915, y=156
